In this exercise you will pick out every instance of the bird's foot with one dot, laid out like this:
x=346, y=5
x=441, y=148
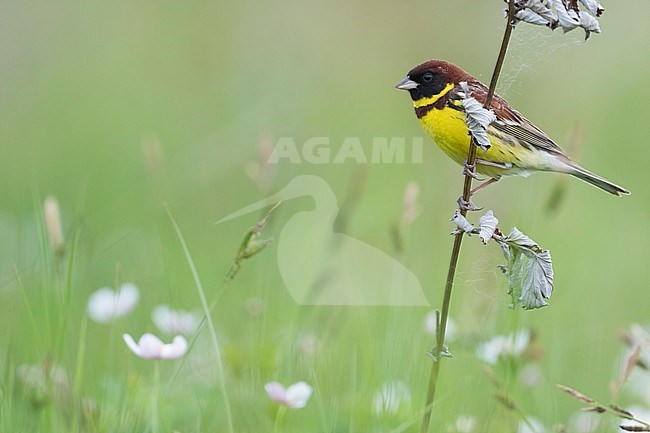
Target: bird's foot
x=467, y=205
x=483, y=185
x=470, y=170
x=502, y=165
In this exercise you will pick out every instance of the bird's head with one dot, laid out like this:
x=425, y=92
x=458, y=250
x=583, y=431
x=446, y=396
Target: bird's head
x=432, y=79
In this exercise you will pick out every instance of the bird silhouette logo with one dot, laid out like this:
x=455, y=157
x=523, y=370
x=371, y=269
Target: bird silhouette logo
x=322, y=267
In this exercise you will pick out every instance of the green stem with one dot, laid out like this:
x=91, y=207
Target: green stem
x=154, y=397
x=78, y=375
x=46, y=283
x=67, y=295
x=279, y=419
x=208, y=320
x=455, y=252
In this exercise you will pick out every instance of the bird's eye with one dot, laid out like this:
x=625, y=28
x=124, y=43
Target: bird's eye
x=427, y=77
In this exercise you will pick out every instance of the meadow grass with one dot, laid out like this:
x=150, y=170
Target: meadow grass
x=86, y=85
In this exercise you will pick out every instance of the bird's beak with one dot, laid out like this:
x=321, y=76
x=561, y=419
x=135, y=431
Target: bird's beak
x=406, y=84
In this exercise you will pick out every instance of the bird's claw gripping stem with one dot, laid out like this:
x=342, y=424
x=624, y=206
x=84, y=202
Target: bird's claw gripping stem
x=470, y=170
x=467, y=205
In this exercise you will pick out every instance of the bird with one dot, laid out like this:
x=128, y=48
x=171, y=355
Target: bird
x=518, y=147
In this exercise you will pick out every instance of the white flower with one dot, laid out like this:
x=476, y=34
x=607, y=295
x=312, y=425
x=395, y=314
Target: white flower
x=174, y=322
x=430, y=326
x=295, y=396
x=391, y=397
x=105, y=305
x=45, y=382
x=503, y=345
x=39, y=377
x=463, y=424
x=151, y=347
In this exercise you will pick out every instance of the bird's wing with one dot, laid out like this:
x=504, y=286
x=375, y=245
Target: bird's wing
x=509, y=123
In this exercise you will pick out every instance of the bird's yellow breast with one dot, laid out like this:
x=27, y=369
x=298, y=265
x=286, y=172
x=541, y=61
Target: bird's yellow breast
x=448, y=129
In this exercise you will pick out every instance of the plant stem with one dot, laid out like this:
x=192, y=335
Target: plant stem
x=279, y=419
x=221, y=371
x=154, y=397
x=455, y=252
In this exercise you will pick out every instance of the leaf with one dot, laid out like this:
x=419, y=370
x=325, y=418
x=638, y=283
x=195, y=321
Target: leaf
x=462, y=224
x=515, y=276
x=532, y=285
x=589, y=23
x=477, y=118
x=543, y=9
x=593, y=7
x=530, y=17
x=538, y=282
x=570, y=17
x=518, y=239
x=570, y=5
x=487, y=225
x=562, y=13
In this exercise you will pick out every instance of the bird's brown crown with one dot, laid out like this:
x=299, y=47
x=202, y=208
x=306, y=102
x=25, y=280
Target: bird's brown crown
x=433, y=76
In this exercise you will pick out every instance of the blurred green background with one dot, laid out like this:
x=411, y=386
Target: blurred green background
x=86, y=87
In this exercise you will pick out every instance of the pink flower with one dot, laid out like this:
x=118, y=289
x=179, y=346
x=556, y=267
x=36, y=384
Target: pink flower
x=151, y=347
x=293, y=397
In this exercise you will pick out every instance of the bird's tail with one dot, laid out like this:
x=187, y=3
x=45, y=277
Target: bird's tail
x=595, y=180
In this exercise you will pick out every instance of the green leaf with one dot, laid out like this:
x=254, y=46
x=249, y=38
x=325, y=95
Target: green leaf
x=538, y=282
x=531, y=285
x=519, y=240
x=515, y=276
